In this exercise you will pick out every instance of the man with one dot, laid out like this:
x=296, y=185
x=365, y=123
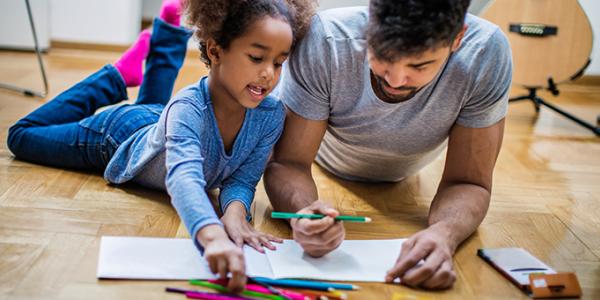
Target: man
x=377, y=94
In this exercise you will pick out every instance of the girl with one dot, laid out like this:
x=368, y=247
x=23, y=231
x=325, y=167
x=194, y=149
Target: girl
x=217, y=133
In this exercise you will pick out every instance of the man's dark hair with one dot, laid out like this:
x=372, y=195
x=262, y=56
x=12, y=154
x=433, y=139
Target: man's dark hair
x=399, y=28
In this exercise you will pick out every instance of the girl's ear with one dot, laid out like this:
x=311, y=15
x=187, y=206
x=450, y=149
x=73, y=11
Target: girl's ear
x=213, y=51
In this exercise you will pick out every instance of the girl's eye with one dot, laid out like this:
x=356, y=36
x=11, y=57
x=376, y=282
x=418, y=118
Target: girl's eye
x=255, y=59
x=278, y=65
x=420, y=69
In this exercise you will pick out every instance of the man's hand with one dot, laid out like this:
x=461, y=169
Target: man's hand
x=223, y=256
x=436, y=272
x=318, y=237
x=240, y=231
x=456, y=211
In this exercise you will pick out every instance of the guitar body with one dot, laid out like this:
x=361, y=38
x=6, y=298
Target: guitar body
x=549, y=38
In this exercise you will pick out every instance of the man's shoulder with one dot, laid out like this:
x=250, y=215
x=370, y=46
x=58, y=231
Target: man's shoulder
x=482, y=34
x=483, y=47
x=342, y=23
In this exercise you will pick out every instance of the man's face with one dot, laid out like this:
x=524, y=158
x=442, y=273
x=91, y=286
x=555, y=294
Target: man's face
x=400, y=80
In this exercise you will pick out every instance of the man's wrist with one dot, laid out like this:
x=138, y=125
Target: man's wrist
x=448, y=231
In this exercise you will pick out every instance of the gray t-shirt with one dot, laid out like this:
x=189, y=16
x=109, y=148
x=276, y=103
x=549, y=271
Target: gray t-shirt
x=328, y=78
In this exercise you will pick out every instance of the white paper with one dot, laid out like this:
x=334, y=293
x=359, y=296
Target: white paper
x=354, y=260
x=178, y=259
x=164, y=259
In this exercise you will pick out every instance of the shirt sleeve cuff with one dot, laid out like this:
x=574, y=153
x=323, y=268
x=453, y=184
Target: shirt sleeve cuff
x=237, y=193
x=199, y=225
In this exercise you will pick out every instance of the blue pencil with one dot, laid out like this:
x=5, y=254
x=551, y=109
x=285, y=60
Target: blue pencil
x=306, y=284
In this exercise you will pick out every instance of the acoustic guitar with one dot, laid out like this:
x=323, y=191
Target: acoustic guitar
x=550, y=39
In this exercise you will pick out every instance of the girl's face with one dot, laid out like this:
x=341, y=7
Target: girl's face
x=249, y=69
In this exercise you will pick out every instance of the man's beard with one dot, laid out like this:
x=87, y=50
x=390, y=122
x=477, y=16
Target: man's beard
x=380, y=84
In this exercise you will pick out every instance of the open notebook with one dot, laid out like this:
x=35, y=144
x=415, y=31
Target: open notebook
x=178, y=259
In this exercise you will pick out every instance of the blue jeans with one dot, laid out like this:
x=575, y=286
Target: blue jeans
x=65, y=132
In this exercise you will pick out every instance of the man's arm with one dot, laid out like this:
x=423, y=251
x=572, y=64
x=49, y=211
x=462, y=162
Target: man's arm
x=464, y=192
x=457, y=209
x=288, y=177
x=290, y=186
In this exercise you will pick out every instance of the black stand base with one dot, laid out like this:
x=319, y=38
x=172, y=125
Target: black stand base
x=537, y=102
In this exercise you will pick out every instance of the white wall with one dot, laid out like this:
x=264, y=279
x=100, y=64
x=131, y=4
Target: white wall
x=151, y=8
x=95, y=21
x=592, y=9
x=15, y=30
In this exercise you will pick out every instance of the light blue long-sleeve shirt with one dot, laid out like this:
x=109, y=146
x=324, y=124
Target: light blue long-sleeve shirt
x=184, y=154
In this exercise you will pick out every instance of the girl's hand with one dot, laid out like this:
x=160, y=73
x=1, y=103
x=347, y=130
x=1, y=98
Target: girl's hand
x=240, y=231
x=223, y=256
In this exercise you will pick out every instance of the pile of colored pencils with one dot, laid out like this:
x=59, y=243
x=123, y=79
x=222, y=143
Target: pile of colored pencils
x=265, y=288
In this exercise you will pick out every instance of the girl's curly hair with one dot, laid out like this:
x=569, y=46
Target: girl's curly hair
x=225, y=20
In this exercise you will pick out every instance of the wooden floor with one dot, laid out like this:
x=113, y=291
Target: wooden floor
x=546, y=199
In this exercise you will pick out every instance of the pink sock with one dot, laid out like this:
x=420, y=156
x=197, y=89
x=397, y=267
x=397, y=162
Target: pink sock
x=170, y=12
x=130, y=63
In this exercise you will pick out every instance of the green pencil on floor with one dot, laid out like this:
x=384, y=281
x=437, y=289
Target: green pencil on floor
x=284, y=215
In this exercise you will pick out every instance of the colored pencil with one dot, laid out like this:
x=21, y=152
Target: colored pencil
x=204, y=295
x=323, y=294
x=306, y=284
x=292, y=295
x=223, y=289
x=213, y=296
x=284, y=215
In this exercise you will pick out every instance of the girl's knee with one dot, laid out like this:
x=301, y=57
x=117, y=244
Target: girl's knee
x=14, y=138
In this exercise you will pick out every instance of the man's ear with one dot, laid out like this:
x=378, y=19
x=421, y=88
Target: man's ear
x=213, y=51
x=459, y=38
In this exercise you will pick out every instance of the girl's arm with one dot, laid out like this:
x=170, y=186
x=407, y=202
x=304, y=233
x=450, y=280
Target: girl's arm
x=237, y=192
x=186, y=185
x=185, y=180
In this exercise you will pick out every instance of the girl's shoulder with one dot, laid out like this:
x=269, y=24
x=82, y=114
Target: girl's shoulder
x=191, y=95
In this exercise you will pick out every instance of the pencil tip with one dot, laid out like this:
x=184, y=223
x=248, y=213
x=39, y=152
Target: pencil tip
x=367, y=219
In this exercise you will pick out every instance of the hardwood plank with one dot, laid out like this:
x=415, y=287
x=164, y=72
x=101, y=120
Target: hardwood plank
x=53, y=269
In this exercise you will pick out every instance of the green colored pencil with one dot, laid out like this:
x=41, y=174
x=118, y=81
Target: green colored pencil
x=223, y=289
x=284, y=215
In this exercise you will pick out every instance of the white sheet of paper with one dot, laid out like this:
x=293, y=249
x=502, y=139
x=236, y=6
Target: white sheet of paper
x=354, y=260
x=164, y=259
x=178, y=259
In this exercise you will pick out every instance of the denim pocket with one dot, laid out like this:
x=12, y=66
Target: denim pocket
x=125, y=122
x=97, y=123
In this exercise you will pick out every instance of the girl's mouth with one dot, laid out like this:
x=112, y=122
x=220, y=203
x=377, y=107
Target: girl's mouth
x=256, y=92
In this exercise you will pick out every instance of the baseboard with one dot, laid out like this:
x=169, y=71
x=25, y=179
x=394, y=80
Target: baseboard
x=191, y=52
x=20, y=49
x=146, y=23
x=592, y=80
x=88, y=46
